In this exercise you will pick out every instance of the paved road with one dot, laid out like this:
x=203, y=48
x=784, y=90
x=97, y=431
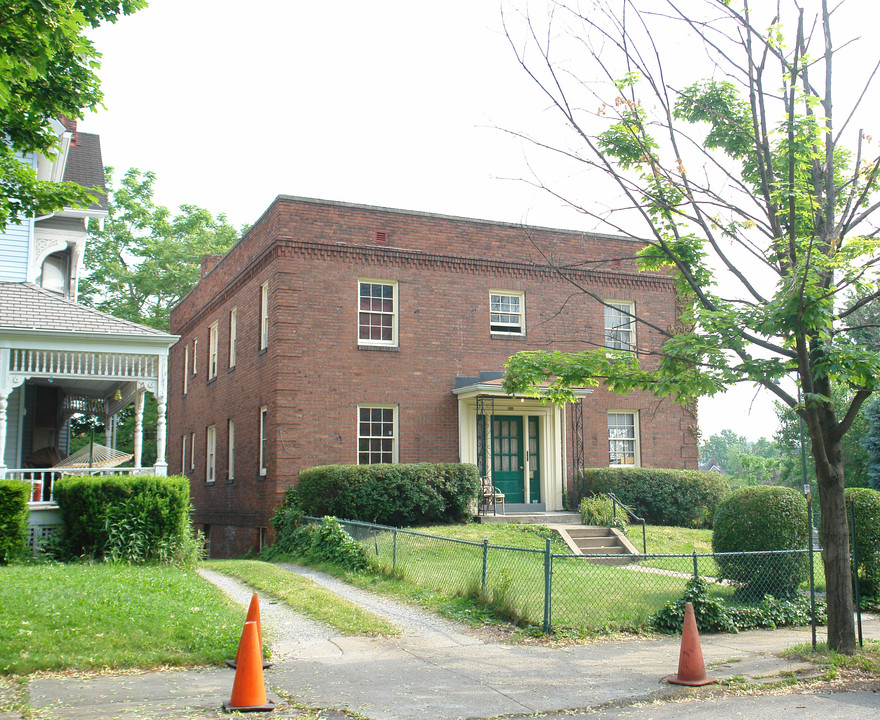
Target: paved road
x=438, y=669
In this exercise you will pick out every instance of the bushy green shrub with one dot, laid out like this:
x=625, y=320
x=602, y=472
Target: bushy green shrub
x=762, y=518
x=398, y=495
x=683, y=498
x=599, y=510
x=14, y=497
x=128, y=518
x=326, y=541
x=866, y=509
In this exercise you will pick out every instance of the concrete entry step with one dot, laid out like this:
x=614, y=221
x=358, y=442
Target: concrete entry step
x=545, y=518
x=609, y=545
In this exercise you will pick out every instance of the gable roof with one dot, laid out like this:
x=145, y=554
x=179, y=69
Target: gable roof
x=26, y=306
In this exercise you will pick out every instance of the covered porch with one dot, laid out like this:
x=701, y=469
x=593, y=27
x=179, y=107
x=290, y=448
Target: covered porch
x=519, y=443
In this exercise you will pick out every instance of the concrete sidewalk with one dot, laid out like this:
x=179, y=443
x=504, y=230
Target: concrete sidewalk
x=445, y=671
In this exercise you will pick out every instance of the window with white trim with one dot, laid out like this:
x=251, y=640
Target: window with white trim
x=377, y=312
x=507, y=313
x=623, y=439
x=230, y=449
x=212, y=349
x=264, y=315
x=192, y=451
x=233, y=332
x=211, y=454
x=183, y=454
x=377, y=434
x=195, y=356
x=264, y=435
x=620, y=325
x=185, y=371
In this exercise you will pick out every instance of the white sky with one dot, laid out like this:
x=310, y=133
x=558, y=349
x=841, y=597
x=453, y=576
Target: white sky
x=395, y=103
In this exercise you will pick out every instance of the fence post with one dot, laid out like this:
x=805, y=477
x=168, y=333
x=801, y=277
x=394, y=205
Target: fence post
x=485, y=564
x=394, y=551
x=855, y=560
x=696, y=569
x=548, y=561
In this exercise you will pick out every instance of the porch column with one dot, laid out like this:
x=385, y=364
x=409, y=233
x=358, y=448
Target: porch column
x=5, y=391
x=138, y=426
x=161, y=467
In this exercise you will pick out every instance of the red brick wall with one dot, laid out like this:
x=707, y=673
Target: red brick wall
x=313, y=375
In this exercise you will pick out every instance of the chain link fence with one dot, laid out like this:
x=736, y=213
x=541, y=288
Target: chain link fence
x=588, y=593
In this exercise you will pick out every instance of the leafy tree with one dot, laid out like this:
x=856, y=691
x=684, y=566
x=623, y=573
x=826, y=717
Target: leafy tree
x=752, y=176
x=47, y=68
x=144, y=259
x=746, y=462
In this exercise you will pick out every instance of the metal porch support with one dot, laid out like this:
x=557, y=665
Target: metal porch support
x=485, y=413
x=577, y=441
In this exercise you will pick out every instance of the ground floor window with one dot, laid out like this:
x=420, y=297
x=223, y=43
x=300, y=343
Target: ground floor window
x=264, y=436
x=377, y=434
x=211, y=454
x=623, y=438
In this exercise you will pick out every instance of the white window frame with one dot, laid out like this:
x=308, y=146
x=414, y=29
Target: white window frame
x=498, y=311
x=211, y=454
x=183, y=454
x=615, y=438
x=213, y=332
x=192, y=451
x=373, y=438
x=186, y=370
x=393, y=313
x=233, y=332
x=264, y=438
x=230, y=449
x=264, y=315
x=612, y=313
x=195, y=367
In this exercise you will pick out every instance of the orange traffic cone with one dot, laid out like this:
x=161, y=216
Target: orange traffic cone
x=691, y=670
x=253, y=615
x=248, y=688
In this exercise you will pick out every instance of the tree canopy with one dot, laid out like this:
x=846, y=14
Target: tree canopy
x=717, y=125
x=47, y=68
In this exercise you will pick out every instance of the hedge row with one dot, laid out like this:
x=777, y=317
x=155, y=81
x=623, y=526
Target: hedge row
x=684, y=498
x=14, y=496
x=398, y=495
x=866, y=509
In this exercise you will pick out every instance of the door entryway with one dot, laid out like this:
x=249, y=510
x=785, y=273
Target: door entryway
x=508, y=466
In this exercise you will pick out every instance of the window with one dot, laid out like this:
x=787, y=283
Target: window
x=230, y=461
x=264, y=315
x=212, y=350
x=54, y=276
x=623, y=438
x=620, y=326
x=264, y=433
x=211, y=453
x=377, y=434
x=506, y=314
x=185, y=370
x=183, y=454
x=233, y=329
x=377, y=312
x=195, y=356
x=192, y=451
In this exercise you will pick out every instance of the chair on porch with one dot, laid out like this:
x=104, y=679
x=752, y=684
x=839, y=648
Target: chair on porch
x=490, y=495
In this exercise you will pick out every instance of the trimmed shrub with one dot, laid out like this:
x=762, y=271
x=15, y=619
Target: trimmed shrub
x=127, y=518
x=683, y=498
x=866, y=509
x=762, y=518
x=14, y=497
x=398, y=495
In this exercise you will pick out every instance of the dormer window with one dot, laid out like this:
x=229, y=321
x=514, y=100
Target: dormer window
x=55, y=274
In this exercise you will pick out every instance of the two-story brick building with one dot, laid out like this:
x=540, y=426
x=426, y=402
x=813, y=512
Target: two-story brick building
x=340, y=333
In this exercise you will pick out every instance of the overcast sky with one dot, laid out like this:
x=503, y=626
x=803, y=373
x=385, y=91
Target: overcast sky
x=395, y=103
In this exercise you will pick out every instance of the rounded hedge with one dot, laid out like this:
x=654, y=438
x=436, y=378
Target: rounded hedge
x=866, y=512
x=762, y=518
x=14, y=496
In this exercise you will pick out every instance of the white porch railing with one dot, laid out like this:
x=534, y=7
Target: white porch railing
x=64, y=363
x=42, y=480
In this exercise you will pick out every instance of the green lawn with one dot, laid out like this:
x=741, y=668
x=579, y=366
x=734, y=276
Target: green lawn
x=112, y=616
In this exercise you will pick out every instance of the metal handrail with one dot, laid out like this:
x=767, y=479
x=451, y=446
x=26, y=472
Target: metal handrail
x=635, y=517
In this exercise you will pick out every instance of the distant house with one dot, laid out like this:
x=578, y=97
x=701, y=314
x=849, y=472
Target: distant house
x=58, y=357
x=341, y=333
x=711, y=465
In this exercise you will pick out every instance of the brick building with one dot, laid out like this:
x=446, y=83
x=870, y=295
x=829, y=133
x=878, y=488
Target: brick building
x=340, y=333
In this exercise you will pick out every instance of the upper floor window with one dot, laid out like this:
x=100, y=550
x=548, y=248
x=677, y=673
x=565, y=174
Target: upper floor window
x=185, y=369
x=264, y=440
x=620, y=326
x=264, y=315
x=377, y=434
x=192, y=451
x=195, y=356
x=377, y=312
x=506, y=313
x=212, y=350
x=55, y=275
x=233, y=332
x=183, y=454
x=623, y=438
x=211, y=454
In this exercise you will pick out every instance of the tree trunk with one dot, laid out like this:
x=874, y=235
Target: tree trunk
x=835, y=550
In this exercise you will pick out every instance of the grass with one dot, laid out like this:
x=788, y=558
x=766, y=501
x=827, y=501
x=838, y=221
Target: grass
x=306, y=597
x=81, y=617
x=866, y=659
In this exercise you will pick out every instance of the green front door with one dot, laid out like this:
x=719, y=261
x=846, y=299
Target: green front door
x=507, y=456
